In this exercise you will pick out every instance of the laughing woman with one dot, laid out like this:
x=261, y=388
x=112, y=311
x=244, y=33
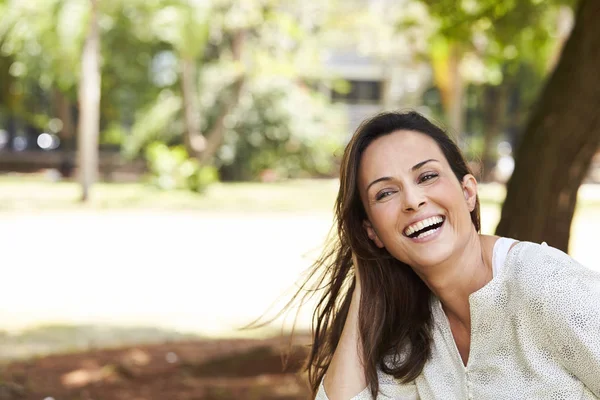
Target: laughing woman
x=419, y=305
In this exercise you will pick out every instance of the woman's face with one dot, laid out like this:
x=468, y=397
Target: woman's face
x=416, y=207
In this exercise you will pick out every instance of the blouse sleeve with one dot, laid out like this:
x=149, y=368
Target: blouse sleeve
x=389, y=388
x=572, y=318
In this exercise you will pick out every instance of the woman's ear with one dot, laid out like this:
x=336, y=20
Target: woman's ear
x=372, y=234
x=469, y=186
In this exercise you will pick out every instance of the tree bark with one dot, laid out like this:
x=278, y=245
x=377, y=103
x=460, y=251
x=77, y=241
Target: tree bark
x=561, y=137
x=89, y=106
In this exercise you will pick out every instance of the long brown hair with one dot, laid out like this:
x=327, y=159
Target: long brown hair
x=394, y=312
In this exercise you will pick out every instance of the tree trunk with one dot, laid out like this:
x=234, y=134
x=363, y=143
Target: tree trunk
x=514, y=110
x=67, y=133
x=494, y=110
x=446, y=58
x=194, y=142
x=562, y=135
x=89, y=106
x=63, y=112
x=564, y=25
x=215, y=137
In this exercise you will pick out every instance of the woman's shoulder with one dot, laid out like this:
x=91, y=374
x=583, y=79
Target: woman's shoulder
x=525, y=255
x=548, y=259
x=534, y=267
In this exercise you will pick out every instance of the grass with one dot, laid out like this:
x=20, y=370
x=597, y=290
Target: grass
x=49, y=339
x=37, y=193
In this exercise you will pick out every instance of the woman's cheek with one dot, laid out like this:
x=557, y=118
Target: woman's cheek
x=388, y=218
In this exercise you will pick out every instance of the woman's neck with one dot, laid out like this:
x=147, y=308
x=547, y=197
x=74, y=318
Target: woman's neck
x=463, y=274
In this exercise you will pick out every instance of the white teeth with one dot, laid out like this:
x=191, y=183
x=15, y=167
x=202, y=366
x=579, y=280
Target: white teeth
x=425, y=234
x=417, y=226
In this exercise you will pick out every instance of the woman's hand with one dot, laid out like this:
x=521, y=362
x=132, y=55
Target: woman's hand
x=345, y=376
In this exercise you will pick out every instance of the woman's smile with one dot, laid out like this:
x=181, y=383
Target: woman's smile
x=425, y=229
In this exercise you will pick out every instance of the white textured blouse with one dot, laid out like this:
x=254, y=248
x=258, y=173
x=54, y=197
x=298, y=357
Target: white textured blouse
x=535, y=334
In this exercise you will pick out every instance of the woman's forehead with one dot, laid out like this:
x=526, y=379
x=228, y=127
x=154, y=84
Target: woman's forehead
x=400, y=149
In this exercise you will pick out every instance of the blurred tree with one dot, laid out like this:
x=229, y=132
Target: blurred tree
x=562, y=135
x=89, y=105
x=43, y=43
x=246, y=45
x=224, y=32
x=136, y=66
x=186, y=25
x=216, y=135
x=271, y=139
x=495, y=101
x=446, y=56
x=171, y=69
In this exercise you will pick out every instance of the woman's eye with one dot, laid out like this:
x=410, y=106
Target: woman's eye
x=383, y=194
x=427, y=177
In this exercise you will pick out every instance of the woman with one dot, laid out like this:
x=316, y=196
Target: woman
x=418, y=304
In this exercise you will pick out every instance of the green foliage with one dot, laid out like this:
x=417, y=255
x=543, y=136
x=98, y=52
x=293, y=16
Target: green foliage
x=279, y=126
x=44, y=39
x=129, y=70
x=275, y=48
x=284, y=129
x=112, y=135
x=204, y=176
x=158, y=121
x=503, y=34
x=172, y=168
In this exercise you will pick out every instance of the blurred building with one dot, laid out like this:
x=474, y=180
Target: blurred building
x=380, y=68
x=373, y=84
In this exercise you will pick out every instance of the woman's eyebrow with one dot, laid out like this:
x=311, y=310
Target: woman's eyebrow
x=419, y=165
x=383, y=178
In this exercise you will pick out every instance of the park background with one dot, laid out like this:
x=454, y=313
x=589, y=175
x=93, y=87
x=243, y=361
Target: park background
x=168, y=168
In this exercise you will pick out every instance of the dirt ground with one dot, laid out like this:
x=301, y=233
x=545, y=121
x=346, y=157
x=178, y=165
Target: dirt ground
x=243, y=369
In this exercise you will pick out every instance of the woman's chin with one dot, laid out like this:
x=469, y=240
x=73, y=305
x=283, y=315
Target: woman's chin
x=430, y=256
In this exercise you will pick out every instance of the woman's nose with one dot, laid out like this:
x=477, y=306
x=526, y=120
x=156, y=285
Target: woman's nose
x=413, y=200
